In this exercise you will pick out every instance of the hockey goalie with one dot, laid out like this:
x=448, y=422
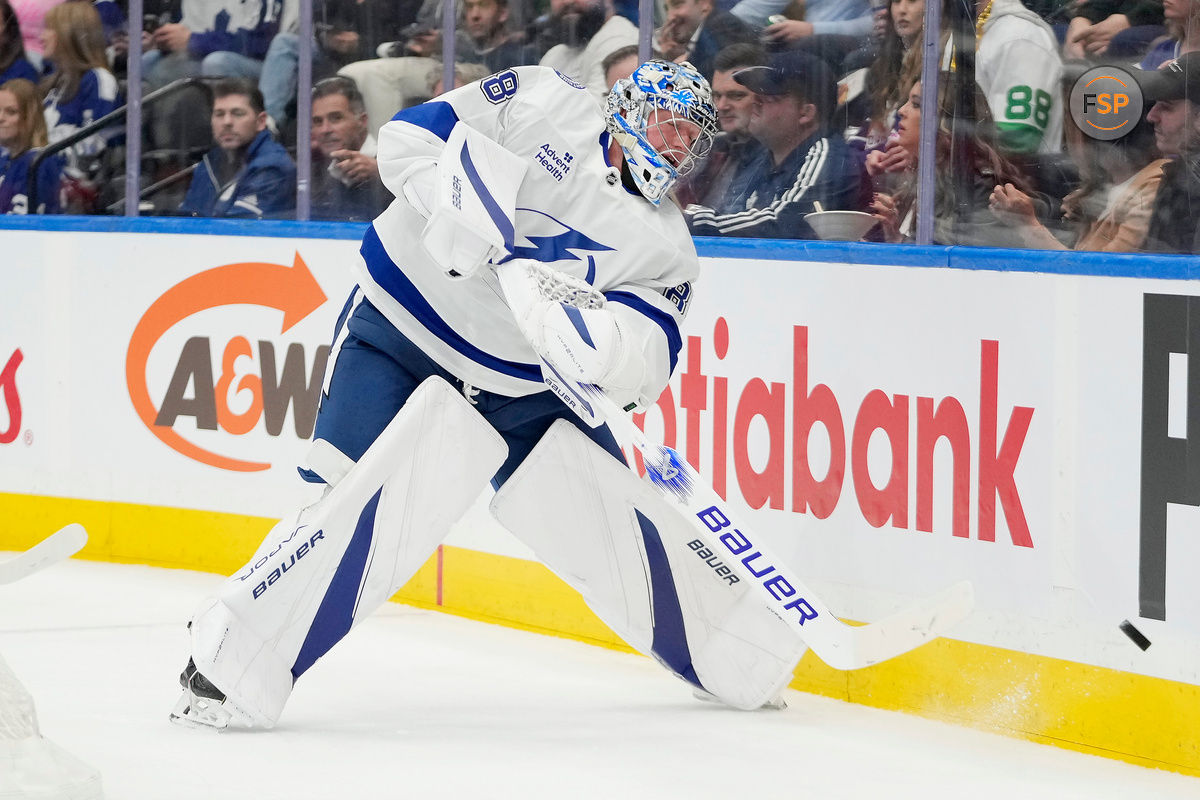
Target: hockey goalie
x=521, y=293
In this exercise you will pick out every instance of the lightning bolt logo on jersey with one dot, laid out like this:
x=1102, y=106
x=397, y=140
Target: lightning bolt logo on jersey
x=569, y=212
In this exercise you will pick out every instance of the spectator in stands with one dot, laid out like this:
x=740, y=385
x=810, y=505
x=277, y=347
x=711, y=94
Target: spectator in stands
x=1111, y=208
x=347, y=31
x=351, y=30
x=399, y=80
x=32, y=15
x=13, y=63
x=897, y=64
x=1018, y=67
x=247, y=173
x=213, y=38
x=881, y=23
x=77, y=92
x=1175, y=92
x=463, y=74
x=345, y=175
x=1113, y=29
x=621, y=63
x=423, y=38
x=1182, y=18
x=585, y=32
x=22, y=135
x=830, y=29
x=803, y=163
x=695, y=32
x=496, y=44
x=840, y=17
x=734, y=148
x=958, y=218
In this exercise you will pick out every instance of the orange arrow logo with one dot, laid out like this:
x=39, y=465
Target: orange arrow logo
x=293, y=290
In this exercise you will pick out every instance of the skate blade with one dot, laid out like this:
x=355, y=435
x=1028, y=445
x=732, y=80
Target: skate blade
x=199, y=713
x=776, y=703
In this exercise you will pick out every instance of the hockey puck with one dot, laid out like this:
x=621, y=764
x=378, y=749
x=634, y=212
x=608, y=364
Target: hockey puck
x=1136, y=636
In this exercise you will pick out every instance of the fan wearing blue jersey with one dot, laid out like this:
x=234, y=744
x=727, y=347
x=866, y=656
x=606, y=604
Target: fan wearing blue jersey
x=22, y=135
x=79, y=90
x=434, y=384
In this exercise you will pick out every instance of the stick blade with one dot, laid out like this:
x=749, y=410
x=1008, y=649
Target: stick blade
x=61, y=544
x=71, y=539
x=913, y=626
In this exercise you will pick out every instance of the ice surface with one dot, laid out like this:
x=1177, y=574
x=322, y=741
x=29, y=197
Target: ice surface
x=416, y=704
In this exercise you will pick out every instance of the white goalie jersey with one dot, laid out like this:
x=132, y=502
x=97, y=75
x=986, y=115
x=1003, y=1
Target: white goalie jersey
x=572, y=211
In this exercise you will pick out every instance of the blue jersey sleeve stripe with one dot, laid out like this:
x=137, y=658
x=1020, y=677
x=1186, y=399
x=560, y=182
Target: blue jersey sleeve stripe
x=663, y=319
x=437, y=117
x=499, y=218
x=396, y=283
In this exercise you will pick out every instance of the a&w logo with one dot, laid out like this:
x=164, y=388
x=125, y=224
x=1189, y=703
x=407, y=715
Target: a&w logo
x=196, y=390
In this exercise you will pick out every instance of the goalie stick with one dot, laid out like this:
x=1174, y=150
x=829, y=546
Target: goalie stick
x=59, y=545
x=781, y=589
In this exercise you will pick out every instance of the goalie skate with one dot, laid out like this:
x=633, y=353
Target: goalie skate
x=776, y=703
x=202, y=705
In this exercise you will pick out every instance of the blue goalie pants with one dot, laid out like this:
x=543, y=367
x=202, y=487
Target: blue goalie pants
x=375, y=369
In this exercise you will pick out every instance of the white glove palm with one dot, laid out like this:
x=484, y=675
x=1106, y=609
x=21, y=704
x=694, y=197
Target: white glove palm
x=585, y=345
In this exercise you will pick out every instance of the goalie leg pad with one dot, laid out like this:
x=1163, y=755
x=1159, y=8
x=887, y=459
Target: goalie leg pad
x=642, y=571
x=322, y=571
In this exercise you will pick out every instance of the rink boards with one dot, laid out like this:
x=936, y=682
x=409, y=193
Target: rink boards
x=892, y=419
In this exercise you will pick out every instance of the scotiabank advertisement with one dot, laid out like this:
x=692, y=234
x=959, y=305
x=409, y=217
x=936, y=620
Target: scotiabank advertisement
x=889, y=435
x=890, y=429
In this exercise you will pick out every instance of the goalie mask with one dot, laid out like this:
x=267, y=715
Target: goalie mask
x=663, y=118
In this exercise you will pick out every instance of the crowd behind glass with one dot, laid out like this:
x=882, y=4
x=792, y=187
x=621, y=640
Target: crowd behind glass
x=819, y=102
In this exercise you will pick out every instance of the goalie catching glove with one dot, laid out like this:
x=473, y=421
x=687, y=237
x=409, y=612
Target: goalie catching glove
x=589, y=345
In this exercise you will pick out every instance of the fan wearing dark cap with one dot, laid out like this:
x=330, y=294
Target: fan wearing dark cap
x=1175, y=92
x=803, y=162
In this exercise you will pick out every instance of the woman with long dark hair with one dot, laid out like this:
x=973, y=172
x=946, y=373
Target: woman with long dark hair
x=957, y=219
x=22, y=135
x=896, y=65
x=13, y=63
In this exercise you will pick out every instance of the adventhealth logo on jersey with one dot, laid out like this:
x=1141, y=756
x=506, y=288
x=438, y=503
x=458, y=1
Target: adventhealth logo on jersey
x=224, y=383
x=978, y=444
x=12, y=399
x=557, y=165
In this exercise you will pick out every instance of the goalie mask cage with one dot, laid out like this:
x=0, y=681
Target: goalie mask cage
x=32, y=767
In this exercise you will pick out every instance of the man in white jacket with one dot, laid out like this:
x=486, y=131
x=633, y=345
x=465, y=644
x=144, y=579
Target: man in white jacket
x=587, y=31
